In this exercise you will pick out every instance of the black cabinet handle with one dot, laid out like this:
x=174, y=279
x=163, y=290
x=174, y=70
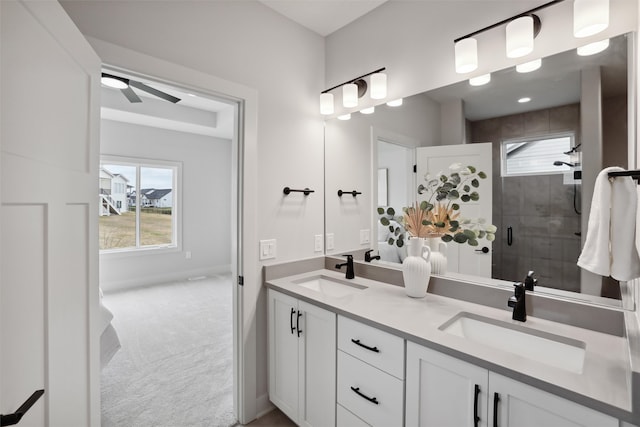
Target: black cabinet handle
x=476, y=418
x=11, y=419
x=357, y=391
x=293, y=328
x=298, y=323
x=357, y=342
x=496, y=400
x=509, y=235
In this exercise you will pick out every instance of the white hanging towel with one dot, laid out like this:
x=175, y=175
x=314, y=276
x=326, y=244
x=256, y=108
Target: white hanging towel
x=610, y=246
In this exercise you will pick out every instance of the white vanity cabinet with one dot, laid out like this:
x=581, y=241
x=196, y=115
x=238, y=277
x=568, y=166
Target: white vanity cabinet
x=370, y=383
x=445, y=391
x=302, y=360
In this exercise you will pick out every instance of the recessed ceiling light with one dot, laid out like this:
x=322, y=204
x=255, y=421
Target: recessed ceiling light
x=523, y=100
x=395, y=103
x=344, y=117
x=369, y=110
x=480, y=80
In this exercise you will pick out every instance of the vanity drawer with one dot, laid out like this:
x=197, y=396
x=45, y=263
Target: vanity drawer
x=345, y=418
x=378, y=348
x=372, y=395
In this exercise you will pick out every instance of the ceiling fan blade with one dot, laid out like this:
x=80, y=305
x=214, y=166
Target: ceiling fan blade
x=130, y=94
x=153, y=91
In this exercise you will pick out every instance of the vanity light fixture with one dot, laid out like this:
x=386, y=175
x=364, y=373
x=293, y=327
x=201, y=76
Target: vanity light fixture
x=395, y=103
x=530, y=66
x=520, y=34
x=466, y=55
x=369, y=110
x=480, y=80
x=344, y=117
x=354, y=89
x=590, y=17
x=593, y=48
x=524, y=99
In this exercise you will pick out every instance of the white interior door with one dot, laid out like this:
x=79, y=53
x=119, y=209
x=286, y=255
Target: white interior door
x=462, y=258
x=49, y=113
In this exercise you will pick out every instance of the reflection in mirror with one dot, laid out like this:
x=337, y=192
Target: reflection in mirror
x=545, y=158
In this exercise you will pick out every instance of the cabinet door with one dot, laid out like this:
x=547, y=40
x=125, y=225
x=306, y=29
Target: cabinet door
x=444, y=391
x=317, y=369
x=283, y=353
x=521, y=405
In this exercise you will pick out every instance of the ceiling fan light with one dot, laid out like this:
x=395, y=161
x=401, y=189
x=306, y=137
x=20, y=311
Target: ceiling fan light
x=520, y=37
x=350, y=95
x=480, y=80
x=378, y=86
x=530, y=66
x=326, y=103
x=593, y=48
x=590, y=17
x=466, y=51
x=114, y=82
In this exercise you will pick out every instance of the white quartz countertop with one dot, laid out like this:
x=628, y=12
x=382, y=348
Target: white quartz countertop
x=604, y=383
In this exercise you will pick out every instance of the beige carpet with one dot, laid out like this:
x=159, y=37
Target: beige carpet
x=175, y=365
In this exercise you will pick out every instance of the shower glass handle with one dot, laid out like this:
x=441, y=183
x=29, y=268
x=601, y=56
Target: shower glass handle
x=509, y=235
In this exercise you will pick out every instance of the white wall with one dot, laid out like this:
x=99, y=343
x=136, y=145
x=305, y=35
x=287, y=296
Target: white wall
x=205, y=196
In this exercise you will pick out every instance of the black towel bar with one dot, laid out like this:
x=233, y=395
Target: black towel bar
x=306, y=191
x=354, y=193
x=635, y=174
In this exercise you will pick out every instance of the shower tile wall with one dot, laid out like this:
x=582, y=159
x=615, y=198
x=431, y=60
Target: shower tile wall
x=538, y=208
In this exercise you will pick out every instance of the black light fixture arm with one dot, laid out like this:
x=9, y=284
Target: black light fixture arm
x=379, y=70
x=505, y=21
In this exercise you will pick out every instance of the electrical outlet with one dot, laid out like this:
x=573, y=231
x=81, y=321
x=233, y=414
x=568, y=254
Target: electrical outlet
x=267, y=249
x=365, y=238
x=330, y=242
x=317, y=247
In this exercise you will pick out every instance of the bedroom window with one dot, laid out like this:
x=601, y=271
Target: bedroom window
x=138, y=204
x=536, y=156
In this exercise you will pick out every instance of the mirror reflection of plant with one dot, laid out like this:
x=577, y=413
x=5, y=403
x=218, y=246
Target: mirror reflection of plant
x=444, y=195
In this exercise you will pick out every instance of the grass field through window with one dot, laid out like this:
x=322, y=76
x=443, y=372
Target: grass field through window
x=119, y=231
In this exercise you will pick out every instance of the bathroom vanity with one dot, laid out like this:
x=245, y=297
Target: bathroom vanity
x=360, y=352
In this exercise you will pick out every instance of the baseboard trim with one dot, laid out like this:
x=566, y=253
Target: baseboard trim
x=264, y=405
x=122, y=285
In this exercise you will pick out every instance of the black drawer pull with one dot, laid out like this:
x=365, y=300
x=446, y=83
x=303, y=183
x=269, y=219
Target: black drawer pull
x=357, y=342
x=293, y=328
x=298, y=323
x=359, y=393
x=496, y=400
x=476, y=418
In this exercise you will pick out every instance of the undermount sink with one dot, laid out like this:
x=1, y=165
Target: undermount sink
x=550, y=349
x=329, y=286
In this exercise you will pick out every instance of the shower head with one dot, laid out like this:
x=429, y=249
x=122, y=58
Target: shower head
x=559, y=163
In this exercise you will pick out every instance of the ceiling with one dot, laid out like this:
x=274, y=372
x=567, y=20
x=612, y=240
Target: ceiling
x=323, y=16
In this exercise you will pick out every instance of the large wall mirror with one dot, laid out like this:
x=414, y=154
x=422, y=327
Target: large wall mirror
x=546, y=154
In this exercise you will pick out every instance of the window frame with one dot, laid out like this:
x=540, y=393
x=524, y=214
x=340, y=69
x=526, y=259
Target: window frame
x=559, y=170
x=176, y=214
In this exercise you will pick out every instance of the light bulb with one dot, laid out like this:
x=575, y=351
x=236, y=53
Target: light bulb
x=480, y=80
x=369, y=110
x=530, y=66
x=590, y=17
x=466, y=51
x=326, y=103
x=520, y=37
x=350, y=95
x=344, y=117
x=593, y=48
x=378, y=86
x=395, y=103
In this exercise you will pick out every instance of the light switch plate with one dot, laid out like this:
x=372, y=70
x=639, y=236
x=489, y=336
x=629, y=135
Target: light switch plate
x=267, y=249
x=317, y=247
x=330, y=242
x=365, y=238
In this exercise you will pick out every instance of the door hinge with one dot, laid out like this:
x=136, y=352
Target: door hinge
x=241, y=280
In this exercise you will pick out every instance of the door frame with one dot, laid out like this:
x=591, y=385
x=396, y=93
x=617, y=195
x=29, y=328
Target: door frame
x=244, y=203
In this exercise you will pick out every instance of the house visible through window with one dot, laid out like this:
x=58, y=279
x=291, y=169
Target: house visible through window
x=537, y=156
x=137, y=204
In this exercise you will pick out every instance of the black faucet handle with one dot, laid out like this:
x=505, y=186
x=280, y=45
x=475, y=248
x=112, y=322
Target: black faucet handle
x=529, y=281
x=518, y=289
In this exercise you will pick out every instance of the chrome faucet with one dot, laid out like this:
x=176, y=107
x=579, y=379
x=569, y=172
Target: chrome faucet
x=368, y=257
x=350, y=274
x=517, y=302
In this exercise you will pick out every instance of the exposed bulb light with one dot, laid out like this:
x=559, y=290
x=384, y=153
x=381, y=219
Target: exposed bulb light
x=369, y=110
x=524, y=99
x=326, y=103
x=520, y=37
x=590, y=17
x=480, y=80
x=530, y=66
x=350, y=95
x=593, y=48
x=395, y=103
x=344, y=117
x=114, y=82
x=466, y=51
x=378, y=86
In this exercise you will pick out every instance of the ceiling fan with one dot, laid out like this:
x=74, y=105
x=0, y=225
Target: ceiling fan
x=125, y=85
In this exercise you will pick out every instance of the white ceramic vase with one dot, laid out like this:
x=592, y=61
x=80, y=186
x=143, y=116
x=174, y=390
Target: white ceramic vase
x=416, y=268
x=438, y=255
